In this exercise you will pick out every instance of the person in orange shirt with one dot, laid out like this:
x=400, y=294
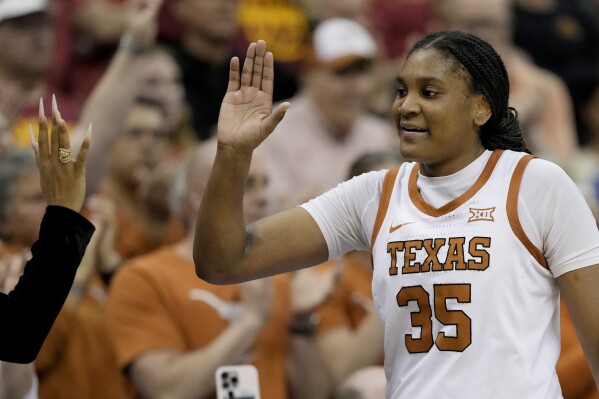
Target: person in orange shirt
x=78, y=360
x=171, y=331
x=347, y=319
x=143, y=222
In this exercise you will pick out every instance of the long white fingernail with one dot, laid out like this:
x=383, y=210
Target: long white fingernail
x=41, y=108
x=89, y=131
x=34, y=144
x=55, y=111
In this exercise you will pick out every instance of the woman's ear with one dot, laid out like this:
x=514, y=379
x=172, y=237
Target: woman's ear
x=482, y=111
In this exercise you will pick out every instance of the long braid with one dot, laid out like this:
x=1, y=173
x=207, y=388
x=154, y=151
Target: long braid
x=487, y=76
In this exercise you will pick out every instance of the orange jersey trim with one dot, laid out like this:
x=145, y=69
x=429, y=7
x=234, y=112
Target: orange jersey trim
x=388, y=184
x=428, y=209
x=512, y=211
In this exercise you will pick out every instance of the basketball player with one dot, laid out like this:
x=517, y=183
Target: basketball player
x=472, y=243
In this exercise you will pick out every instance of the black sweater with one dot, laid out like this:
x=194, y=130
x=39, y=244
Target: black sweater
x=28, y=312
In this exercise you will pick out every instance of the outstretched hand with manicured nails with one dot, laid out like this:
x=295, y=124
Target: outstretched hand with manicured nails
x=246, y=115
x=62, y=172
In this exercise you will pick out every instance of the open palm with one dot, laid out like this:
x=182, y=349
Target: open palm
x=246, y=116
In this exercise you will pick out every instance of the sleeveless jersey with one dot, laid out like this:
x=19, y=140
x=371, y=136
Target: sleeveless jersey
x=469, y=305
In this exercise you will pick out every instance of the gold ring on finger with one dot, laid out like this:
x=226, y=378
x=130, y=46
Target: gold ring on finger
x=65, y=155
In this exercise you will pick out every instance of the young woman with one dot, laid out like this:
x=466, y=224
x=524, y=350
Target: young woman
x=472, y=243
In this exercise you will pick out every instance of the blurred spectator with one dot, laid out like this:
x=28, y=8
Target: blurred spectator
x=397, y=25
x=22, y=208
x=588, y=161
x=586, y=166
x=376, y=160
x=132, y=165
x=78, y=360
x=400, y=23
x=380, y=18
x=26, y=45
x=208, y=30
x=138, y=69
x=172, y=330
x=327, y=125
x=88, y=34
x=320, y=10
x=543, y=103
x=22, y=203
x=562, y=36
x=348, y=318
x=161, y=82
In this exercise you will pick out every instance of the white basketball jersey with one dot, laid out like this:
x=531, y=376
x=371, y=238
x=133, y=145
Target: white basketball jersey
x=469, y=305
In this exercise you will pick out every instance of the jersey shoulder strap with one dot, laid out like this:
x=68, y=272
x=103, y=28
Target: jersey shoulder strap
x=388, y=184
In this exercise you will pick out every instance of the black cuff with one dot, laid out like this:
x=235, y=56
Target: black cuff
x=59, y=219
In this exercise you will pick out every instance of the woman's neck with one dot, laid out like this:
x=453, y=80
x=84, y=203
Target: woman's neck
x=451, y=166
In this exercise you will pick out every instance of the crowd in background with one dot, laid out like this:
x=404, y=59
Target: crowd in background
x=150, y=76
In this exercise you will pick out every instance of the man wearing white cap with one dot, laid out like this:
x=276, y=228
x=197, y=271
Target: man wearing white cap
x=26, y=48
x=327, y=126
x=26, y=42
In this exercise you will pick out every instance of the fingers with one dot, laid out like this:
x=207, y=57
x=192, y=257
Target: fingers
x=34, y=144
x=59, y=136
x=42, y=136
x=248, y=66
x=82, y=155
x=268, y=74
x=258, y=69
x=233, y=75
x=63, y=135
x=269, y=123
x=258, y=64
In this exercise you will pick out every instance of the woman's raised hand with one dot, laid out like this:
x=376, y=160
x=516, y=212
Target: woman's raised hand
x=62, y=172
x=246, y=115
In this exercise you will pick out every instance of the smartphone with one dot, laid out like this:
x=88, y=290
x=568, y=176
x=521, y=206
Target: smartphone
x=237, y=382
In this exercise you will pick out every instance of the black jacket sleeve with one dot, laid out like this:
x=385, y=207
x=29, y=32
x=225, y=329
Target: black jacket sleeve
x=28, y=312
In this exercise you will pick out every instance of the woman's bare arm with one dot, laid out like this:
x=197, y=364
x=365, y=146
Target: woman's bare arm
x=225, y=250
x=579, y=291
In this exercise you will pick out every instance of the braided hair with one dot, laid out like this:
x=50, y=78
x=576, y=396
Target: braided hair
x=489, y=77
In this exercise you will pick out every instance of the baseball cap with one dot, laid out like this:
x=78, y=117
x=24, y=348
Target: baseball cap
x=339, y=42
x=17, y=8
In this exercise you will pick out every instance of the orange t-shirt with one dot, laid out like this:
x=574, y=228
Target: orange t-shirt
x=347, y=306
x=77, y=359
x=157, y=302
x=133, y=238
x=133, y=235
